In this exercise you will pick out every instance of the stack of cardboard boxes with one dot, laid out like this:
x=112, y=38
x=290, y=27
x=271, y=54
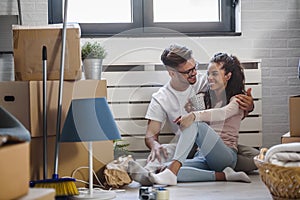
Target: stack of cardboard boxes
x=294, y=134
x=24, y=98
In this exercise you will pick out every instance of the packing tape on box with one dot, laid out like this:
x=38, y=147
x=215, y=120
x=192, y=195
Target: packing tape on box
x=162, y=194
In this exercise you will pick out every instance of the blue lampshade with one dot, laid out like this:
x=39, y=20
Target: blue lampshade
x=89, y=120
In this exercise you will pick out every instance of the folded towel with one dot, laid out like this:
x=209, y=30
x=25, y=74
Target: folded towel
x=287, y=155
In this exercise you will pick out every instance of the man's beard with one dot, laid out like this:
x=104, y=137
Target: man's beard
x=194, y=80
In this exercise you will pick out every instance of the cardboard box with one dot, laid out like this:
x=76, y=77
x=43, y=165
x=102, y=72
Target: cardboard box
x=24, y=99
x=14, y=170
x=287, y=138
x=28, y=42
x=15, y=99
x=295, y=115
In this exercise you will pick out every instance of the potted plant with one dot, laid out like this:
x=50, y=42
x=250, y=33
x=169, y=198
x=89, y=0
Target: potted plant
x=92, y=55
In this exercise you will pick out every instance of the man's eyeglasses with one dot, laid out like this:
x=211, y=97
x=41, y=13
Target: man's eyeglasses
x=189, y=71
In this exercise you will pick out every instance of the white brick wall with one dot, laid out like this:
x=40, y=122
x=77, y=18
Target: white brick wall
x=34, y=12
x=270, y=31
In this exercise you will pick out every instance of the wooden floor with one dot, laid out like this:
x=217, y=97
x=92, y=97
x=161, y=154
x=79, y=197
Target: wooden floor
x=208, y=191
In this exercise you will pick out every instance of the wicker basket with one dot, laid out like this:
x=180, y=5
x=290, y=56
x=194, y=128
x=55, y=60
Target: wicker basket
x=282, y=182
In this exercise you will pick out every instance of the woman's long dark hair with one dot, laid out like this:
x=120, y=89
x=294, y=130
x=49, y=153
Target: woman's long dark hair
x=236, y=84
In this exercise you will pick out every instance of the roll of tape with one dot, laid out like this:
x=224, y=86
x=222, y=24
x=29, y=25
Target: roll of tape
x=162, y=194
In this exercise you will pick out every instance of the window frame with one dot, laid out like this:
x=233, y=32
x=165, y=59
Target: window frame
x=143, y=25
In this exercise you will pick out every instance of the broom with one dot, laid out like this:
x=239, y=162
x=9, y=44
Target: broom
x=62, y=186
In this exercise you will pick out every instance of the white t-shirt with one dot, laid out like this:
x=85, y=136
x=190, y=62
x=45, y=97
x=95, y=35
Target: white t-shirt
x=168, y=104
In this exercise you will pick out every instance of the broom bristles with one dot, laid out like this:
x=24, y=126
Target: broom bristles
x=62, y=186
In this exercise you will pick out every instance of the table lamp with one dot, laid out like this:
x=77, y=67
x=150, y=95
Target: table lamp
x=90, y=120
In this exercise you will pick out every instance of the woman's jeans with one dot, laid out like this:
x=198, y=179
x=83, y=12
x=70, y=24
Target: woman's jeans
x=214, y=155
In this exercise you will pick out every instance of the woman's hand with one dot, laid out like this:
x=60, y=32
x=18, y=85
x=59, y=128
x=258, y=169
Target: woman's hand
x=245, y=101
x=186, y=120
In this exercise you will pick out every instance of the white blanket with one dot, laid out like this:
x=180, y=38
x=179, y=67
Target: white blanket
x=287, y=155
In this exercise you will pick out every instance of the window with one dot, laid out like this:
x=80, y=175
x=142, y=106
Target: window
x=148, y=17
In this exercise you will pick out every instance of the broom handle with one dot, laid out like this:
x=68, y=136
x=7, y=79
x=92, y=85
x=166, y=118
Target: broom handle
x=61, y=80
x=20, y=12
x=44, y=57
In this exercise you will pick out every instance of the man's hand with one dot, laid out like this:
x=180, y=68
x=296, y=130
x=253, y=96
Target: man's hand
x=157, y=151
x=151, y=141
x=245, y=101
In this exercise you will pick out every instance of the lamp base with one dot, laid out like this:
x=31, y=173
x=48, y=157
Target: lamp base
x=97, y=194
